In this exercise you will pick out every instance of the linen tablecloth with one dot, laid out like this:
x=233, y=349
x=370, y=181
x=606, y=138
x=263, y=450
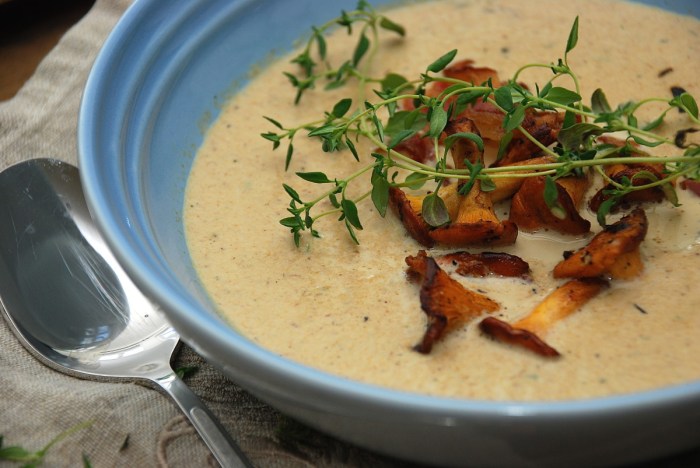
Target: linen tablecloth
x=131, y=425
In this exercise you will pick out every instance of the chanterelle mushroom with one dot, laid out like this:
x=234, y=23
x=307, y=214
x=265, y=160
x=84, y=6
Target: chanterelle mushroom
x=528, y=331
x=472, y=217
x=444, y=300
x=530, y=211
x=610, y=251
x=486, y=264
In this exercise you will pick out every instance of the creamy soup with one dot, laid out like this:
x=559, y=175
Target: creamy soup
x=350, y=310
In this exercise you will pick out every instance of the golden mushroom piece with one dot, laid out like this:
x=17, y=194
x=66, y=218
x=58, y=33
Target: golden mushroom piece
x=528, y=331
x=613, y=252
x=444, y=300
x=530, y=211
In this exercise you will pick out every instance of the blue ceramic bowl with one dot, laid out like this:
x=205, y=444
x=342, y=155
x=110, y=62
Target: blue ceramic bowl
x=160, y=80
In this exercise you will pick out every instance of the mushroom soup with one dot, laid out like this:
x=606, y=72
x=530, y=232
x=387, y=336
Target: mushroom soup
x=353, y=310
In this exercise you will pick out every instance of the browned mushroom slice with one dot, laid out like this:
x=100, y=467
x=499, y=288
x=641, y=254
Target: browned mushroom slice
x=576, y=187
x=606, y=249
x=487, y=263
x=692, y=185
x=487, y=118
x=475, y=224
x=418, y=148
x=444, y=300
x=408, y=210
x=466, y=71
x=627, y=265
x=529, y=210
x=559, y=304
x=543, y=126
x=505, y=187
x=506, y=333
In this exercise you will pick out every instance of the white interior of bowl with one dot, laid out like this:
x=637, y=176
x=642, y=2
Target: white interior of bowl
x=160, y=80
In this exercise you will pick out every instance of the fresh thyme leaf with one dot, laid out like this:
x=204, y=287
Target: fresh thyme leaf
x=292, y=193
x=350, y=212
x=689, y=104
x=321, y=42
x=34, y=459
x=604, y=210
x=392, y=81
x=351, y=147
x=551, y=198
x=644, y=142
x=513, y=119
x=360, y=50
x=693, y=151
x=487, y=184
x=438, y=120
x=273, y=137
x=474, y=171
x=380, y=192
x=439, y=64
x=405, y=120
x=562, y=96
x=573, y=137
x=378, y=126
x=341, y=108
x=399, y=137
x=434, y=210
x=273, y=122
x=452, y=139
x=573, y=37
x=503, y=145
x=599, y=102
x=15, y=453
x=655, y=123
x=344, y=20
x=288, y=158
x=504, y=98
x=315, y=177
x=389, y=25
x=670, y=193
x=415, y=180
x=569, y=119
x=543, y=92
x=290, y=222
x=468, y=97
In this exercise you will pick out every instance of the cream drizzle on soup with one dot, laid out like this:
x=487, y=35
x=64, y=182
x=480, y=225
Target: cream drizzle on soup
x=350, y=310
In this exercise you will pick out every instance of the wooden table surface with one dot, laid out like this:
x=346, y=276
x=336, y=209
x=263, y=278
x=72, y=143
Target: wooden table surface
x=29, y=29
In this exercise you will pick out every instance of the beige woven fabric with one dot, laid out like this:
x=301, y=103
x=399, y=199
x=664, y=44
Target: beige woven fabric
x=133, y=426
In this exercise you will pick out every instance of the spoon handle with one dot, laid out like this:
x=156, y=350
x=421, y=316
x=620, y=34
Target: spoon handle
x=224, y=449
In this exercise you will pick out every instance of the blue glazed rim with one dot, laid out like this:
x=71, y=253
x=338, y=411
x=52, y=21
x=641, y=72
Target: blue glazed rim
x=116, y=88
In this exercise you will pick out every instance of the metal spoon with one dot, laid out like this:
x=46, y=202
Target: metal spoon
x=73, y=307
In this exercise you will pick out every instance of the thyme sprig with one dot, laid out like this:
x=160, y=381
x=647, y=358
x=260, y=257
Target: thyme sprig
x=31, y=459
x=385, y=125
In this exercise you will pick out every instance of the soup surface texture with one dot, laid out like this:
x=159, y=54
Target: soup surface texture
x=351, y=310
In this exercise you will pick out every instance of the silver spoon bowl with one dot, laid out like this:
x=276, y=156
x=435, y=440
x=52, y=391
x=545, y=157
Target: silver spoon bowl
x=70, y=303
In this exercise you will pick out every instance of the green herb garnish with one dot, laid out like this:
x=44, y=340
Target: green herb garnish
x=385, y=126
x=31, y=459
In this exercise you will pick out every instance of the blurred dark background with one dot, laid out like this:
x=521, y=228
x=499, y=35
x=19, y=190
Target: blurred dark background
x=29, y=29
